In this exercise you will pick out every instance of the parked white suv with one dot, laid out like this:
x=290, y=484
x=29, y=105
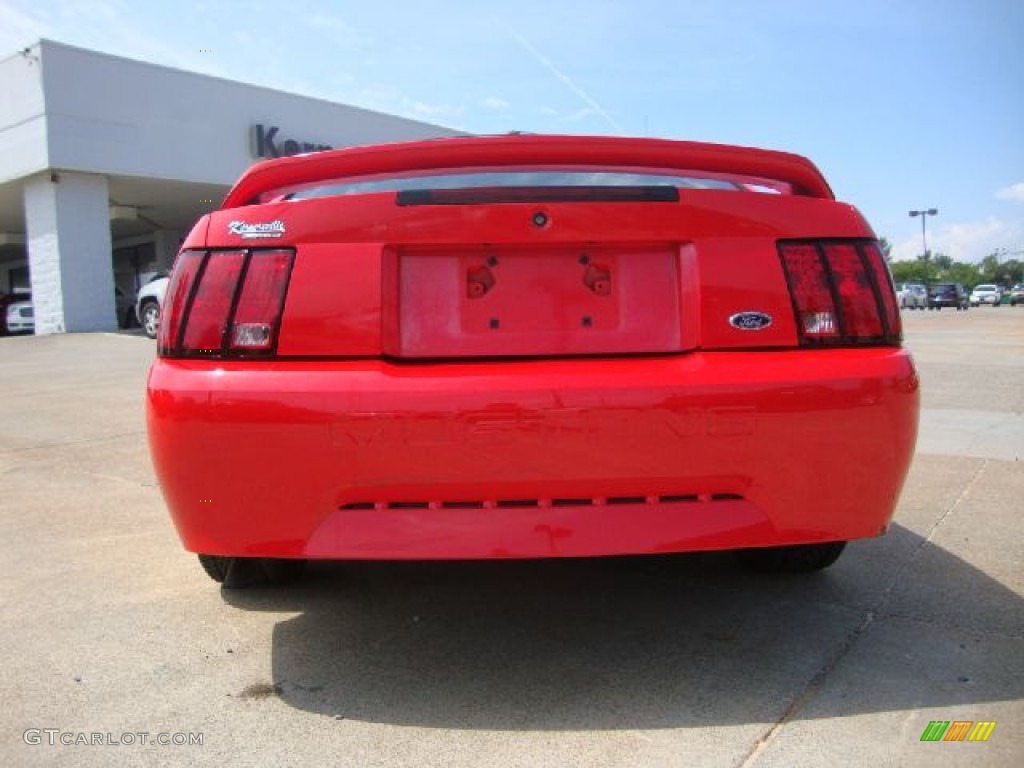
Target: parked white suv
x=986, y=294
x=149, y=302
x=20, y=317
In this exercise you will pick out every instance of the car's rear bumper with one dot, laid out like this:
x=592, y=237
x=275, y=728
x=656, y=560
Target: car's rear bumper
x=370, y=459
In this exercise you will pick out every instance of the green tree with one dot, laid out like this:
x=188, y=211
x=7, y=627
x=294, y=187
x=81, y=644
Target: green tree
x=931, y=267
x=900, y=272
x=886, y=248
x=916, y=271
x=990, y=268
x=959, y=272
x=1012, y=272
x=1006, y=274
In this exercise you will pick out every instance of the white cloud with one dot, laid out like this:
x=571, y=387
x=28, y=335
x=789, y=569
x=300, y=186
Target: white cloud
x=1014, y=192
x=336, y=29
x=103, y=25
x=493, y=102
x=907, y=249
x=969, y=241
x=422, y=109
x=580, y=114
x=18, y=29
x=242, y=37
x=594, y=107
x=325, y=21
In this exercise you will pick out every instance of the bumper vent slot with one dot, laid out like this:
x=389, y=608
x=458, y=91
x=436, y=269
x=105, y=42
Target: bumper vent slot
x=574, y=502
x=626, y=500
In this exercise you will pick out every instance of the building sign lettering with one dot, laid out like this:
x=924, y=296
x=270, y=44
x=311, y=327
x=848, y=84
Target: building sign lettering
x=267, y=143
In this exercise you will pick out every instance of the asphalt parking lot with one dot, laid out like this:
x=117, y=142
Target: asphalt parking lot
x=111, y=629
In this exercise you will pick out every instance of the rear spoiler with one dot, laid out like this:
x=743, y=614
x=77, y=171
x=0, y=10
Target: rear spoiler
x=517, y=150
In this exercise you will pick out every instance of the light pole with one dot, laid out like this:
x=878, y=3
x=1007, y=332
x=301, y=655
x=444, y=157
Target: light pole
x=924, y=214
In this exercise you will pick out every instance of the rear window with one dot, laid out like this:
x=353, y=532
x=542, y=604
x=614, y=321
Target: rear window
x=985, y=288
x=539, y=178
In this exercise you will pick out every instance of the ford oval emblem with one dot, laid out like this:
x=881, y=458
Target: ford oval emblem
x=750, y=321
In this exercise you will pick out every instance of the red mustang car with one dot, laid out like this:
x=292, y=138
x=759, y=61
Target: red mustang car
x=529, y=346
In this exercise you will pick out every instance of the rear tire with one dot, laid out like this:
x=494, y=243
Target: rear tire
x=798, y=558
x=241, y=572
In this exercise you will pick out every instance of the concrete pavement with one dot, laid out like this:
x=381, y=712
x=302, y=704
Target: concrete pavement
x=112, y=629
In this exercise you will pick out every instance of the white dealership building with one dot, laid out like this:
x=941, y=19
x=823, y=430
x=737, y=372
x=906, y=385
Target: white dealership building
x=106, y=163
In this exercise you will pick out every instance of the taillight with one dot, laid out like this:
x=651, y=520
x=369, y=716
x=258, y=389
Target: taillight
x=179, y=291
x=211, y=305
x=812, y=294
x=259, y=305
x=224, y=303
x=883, y=279
x=842, y=292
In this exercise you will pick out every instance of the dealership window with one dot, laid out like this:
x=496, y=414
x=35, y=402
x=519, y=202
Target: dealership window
x=133, y=264
x=18, y=280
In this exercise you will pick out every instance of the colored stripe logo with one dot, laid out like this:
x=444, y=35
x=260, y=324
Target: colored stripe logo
x=958, y=730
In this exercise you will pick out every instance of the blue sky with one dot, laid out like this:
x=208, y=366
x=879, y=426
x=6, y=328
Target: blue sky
x=903, y=104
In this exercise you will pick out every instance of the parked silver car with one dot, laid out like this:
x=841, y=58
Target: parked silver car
x=901, y=291
x=914, y=296
x=21, y=317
